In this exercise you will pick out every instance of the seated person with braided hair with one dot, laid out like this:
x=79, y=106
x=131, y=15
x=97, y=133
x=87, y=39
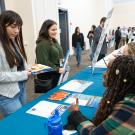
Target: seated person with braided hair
x=116, y=113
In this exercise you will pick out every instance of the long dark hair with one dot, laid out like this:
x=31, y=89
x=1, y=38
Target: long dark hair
x=93, y=27
x=43, y=33
x=103, y=19
x=120, y=83
x=76, y=30
x=6, y=19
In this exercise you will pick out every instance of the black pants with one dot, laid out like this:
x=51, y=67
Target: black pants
x=117, y=44
x=101, y=56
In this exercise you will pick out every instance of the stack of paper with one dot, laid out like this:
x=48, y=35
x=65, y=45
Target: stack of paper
x=46, y=109
x=76, y=85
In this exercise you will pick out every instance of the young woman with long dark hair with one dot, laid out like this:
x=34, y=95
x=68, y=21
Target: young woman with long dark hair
x=12, y=63
x=78, y=44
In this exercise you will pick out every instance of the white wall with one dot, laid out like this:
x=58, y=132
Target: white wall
x=24, y=9
x=124, y=15
x=42, y=10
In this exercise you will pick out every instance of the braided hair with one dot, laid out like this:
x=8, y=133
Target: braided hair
x=120, y=82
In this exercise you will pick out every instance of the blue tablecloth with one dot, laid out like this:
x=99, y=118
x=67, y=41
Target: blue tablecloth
x=22, y=123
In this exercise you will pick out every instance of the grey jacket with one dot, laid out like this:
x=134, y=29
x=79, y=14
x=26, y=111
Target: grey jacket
x=97, y=35
x=9, y=77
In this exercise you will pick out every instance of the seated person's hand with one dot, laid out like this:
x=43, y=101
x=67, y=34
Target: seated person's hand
x=75, y=117
x=74, y=107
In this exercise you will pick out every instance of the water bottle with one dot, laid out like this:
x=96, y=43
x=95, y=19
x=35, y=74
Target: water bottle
x=55, y=124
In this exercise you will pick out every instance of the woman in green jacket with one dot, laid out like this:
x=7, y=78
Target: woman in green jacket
x=49, y=52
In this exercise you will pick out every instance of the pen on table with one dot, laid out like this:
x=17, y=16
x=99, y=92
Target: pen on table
x=77, y=101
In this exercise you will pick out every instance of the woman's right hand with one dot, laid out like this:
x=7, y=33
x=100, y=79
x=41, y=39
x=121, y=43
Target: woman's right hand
x=28, y=72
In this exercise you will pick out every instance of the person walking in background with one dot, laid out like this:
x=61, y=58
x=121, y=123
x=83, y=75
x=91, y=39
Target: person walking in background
x=129, y=34
x=78, y=44
x=133, y=35
x=115, y=115
x=13, y=59
x=124, y=34
x=96, y=38
x=117, y=38
x=49, y=52
x=90, y=36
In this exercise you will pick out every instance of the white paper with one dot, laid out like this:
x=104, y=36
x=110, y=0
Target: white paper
x=44, y=109
x=84, y=100
x=76, y=85
x=72, y=100
x=69, y=132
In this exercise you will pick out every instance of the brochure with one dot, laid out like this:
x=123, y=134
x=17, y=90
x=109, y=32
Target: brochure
x=84, y=100
x=76, y=85
x=59, y=95
x=46, y=109
x=69, y=132
x=39, y=68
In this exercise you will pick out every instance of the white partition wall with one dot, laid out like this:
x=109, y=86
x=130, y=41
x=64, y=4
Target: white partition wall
x=124, y=14
x=42, y=10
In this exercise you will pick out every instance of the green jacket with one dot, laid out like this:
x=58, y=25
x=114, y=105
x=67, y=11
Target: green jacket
x=49, y=53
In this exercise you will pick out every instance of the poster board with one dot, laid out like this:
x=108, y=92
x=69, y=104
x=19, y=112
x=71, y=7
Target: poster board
x=62, y=76
x=101, y=40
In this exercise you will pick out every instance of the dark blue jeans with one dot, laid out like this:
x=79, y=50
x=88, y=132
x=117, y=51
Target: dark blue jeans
x=78, y=52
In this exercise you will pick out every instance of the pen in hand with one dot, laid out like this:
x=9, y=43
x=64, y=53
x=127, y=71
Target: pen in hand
x=74, y=107
x=77, y=101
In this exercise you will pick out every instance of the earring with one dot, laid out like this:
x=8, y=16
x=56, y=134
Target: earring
x=124, y=80
x=117, y=71
x=108, y=102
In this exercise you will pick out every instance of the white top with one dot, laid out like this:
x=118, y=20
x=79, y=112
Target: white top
x=9, y=77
